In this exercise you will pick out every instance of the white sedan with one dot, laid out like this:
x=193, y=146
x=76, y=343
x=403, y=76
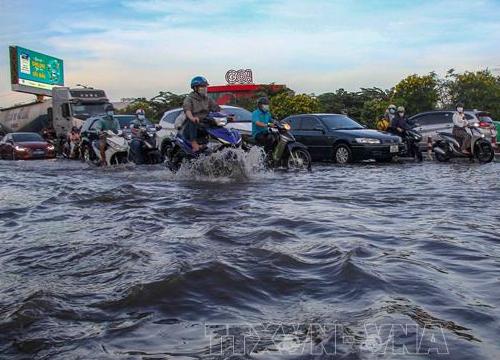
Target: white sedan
x=242, y=122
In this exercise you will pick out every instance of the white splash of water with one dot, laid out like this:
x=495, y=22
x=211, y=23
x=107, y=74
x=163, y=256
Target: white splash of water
x=226, y=165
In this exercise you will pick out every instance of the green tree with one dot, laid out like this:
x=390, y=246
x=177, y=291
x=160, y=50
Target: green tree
x=478, y=90
x=417, y=93
x=139, y=103
x=285, y=104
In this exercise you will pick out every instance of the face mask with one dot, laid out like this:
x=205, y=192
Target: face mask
x=265, y=108
x=392, y=111
x=460, y=109
x=202, y=91
x=110, y=113
x=141, y=117
x=401, y=113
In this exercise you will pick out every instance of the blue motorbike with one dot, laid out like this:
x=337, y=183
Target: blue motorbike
x=216, y=137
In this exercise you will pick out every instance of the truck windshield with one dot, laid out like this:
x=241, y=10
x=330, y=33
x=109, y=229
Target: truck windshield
x=84, y=111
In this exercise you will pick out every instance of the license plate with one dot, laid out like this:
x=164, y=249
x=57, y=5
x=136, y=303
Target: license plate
x=394, y=148
x=38, y=152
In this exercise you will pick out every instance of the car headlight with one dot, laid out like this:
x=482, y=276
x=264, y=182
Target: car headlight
x=367, y=141
x=20, y=148
x=50, y=147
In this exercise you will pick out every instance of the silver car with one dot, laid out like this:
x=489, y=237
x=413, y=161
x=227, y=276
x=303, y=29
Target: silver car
x=243, y=122
x=430, y=123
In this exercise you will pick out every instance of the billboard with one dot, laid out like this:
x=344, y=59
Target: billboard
x=33, y=72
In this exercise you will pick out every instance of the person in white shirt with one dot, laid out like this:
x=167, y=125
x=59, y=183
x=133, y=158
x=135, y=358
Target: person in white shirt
x=460, y=124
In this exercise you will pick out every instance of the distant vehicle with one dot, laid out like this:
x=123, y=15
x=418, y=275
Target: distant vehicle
x=430, y=123
x=338, y=138
x=242, y=122
x=25, y=146
x=67, y=108
x=126, y=122
x=497, y=125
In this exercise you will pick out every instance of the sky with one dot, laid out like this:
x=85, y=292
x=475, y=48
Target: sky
x=135, y=48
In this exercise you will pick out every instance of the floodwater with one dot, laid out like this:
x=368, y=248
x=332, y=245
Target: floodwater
x=366, y=261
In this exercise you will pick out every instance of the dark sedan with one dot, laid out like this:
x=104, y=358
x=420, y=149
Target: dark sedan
x=333, y=137
x=25, y=146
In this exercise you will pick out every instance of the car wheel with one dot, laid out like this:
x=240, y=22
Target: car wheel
x=342, y=154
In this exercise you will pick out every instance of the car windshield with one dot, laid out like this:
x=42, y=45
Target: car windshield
x=240, y=115
x=340, y=122
x=26, y=137
x=84, y=111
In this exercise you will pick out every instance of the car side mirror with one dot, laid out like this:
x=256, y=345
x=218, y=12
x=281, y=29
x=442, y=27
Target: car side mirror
x=65, y=110
x=10, y=141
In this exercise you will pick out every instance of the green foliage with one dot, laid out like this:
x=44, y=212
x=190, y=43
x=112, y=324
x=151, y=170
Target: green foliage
x=156, y=106
x=417, y=93
x=477, y=90
x=364, y=105
x=286, y=104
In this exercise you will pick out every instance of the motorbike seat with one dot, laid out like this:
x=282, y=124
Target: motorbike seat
x=446, y=134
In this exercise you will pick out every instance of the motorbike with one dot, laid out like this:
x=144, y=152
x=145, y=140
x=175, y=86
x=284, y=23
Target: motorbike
x=411, y=139
x=447, y=147
x=66, y=150
x=117, y=149
x=143, y=148
x=216, y=138
x=287, y=152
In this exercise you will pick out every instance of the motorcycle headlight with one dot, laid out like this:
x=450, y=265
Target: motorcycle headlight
x=367, y=141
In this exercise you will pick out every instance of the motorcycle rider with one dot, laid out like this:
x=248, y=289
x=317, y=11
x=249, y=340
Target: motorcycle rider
x=386, y=121
x=400, y=122
x=140, y=120
x=460, y=124
x=105, y=123
x=261, y=117
x=197, y=106
x=136, y=144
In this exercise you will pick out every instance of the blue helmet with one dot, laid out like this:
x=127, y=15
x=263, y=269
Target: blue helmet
x=198, y=81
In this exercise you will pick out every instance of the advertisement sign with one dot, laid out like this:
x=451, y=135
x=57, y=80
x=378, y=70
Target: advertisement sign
x=34, y=72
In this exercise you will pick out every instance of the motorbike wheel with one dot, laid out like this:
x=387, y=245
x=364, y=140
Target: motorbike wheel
x=484, y=152
x=299, y=159
x=442, y=157
x=174, y=160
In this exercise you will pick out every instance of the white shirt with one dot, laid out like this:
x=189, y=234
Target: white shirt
x=459, y=120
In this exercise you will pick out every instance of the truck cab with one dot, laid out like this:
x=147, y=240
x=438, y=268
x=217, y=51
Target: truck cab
x=71, y=107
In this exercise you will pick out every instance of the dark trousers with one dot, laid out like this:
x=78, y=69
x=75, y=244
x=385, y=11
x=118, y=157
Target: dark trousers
x=190, y=131
x=265, y=139
x=462, y=136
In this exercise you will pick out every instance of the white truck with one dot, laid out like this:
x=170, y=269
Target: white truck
x=67, y=108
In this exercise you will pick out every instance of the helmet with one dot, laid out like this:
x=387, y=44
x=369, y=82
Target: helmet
x=392, y=106
x=401, y=109
x=75, y=129
x=109, y=107
x=460, y=104
x=139, y=112
x=198, y=81
x=263, y=101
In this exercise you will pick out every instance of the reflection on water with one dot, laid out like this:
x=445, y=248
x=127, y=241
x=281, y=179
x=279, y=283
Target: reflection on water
x=357, y=261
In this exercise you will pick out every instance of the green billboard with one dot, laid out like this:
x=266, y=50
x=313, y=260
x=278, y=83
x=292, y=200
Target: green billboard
x=34, y=72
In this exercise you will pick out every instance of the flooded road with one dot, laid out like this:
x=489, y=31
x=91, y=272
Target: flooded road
x=354, y=262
